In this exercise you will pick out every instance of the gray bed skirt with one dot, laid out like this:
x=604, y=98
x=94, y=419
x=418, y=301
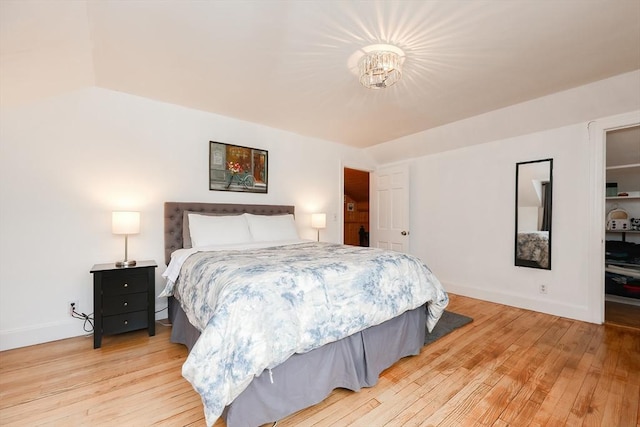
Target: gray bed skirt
x=306, y=379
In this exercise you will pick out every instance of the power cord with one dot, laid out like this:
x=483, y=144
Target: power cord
x=88, y=319
x=160, y=321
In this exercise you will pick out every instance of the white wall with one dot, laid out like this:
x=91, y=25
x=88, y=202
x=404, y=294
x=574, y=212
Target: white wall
x=463, y=200
x=528, y=218
x=66, y=162
x=462, y=220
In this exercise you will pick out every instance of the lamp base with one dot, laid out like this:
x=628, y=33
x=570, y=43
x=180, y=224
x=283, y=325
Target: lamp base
x=125, y=263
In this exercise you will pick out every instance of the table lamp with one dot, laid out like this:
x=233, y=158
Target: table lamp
x=125, y=223
x=318, y=221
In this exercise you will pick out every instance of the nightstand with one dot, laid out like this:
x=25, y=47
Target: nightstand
x=123, y=299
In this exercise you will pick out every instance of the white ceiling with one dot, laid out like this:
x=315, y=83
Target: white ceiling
x=286, y=64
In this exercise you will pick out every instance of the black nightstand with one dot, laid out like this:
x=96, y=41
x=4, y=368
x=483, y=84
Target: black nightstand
x=123, y=299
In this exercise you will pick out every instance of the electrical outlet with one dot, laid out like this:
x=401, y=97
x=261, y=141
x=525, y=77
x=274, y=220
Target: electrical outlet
x=71, y=306
x=543, y=288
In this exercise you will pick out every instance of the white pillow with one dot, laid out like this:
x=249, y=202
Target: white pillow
x=206, y=230
x=186, y=235
x=271, y=228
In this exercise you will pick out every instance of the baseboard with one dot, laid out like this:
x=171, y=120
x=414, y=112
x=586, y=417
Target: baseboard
x=38, y=334
x=542, y=305
x=47, y=332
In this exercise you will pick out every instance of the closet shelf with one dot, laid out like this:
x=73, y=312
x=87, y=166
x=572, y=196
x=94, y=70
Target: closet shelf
x=629, y=166
x=622, y=263
x=624, y=198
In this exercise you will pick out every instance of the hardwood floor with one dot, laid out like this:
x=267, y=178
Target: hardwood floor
x=509, y=367
x=619, y=314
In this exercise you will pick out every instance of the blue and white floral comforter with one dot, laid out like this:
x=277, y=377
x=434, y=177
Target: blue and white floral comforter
x=255, y=308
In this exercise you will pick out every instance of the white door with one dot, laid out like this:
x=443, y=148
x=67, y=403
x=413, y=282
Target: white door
x=390, y=208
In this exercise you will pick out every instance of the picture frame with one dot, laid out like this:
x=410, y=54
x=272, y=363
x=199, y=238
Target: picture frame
x=238, y=168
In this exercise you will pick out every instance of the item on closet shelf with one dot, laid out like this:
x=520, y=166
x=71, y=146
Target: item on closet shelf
x=617, y=219
x=630, y=272
x=632, y=290
x=635, y=224
x=617, y=252
x=612, y=189
x=623, y=194
x=618, y=225
x=622, y=281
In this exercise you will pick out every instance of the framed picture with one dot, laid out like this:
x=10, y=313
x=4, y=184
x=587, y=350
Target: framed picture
x=237, y=168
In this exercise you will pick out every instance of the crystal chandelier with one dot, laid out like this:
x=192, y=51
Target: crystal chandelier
x=379, y=69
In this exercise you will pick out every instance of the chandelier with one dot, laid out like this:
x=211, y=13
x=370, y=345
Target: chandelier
x=379, y=69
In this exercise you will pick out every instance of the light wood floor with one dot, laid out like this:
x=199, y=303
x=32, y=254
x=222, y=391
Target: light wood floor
x=510, y=367
x=619, y=314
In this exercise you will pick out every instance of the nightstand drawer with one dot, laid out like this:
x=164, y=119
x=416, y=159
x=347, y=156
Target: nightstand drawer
x=124, y=322
x=129, y=282
x=123, y=299
x=124, y=303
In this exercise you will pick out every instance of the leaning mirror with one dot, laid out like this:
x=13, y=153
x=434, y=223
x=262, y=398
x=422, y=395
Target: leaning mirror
x=534, y=189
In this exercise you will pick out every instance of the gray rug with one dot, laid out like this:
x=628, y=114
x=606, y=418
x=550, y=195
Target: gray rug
x=447, y=323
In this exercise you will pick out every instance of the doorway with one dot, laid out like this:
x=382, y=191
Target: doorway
x=356, y=207
x=622, y=227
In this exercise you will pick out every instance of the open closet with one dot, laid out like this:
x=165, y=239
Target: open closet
x=622, y=228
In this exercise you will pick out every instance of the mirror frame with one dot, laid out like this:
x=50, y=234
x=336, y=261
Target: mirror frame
x=531, y=263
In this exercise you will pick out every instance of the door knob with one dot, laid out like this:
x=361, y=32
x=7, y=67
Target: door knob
x=404, y=233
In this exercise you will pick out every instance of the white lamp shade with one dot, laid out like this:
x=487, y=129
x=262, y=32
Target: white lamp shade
x=125, y=222
x=319, y=220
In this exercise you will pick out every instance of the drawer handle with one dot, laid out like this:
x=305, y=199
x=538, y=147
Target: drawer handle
x=126, y=285
x=126, y=322
x=126, y=303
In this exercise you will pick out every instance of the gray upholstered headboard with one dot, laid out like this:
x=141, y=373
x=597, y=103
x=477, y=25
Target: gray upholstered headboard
x=173, y=213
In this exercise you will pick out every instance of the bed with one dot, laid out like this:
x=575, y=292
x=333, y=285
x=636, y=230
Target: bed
x=306, y=376
x=533, y=249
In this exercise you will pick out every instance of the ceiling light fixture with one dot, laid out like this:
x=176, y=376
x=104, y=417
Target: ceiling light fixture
x=379, y=69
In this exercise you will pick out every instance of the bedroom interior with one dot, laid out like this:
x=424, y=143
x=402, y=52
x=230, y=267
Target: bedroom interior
x=112, y=106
